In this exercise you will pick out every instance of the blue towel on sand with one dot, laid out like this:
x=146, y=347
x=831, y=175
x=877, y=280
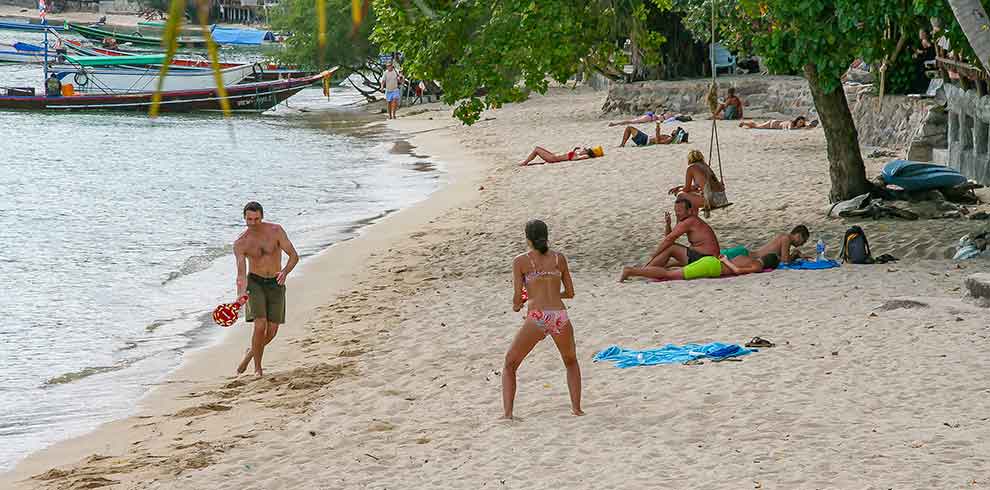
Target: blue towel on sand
x=802, y=264
x=669, y=354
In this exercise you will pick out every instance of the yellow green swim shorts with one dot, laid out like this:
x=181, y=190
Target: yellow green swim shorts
x=703, y=267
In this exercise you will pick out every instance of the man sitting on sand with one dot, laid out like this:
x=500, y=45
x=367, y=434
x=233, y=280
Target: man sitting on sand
x=712, y=267
x=642, y=139
x=782, y=243
x=799, y=122
x=732, y=108
x=700, y=235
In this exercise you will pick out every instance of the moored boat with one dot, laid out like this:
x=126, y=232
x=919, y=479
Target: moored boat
x=21, y=53
x=136, y=74
x=99, y=34
x=250, y=98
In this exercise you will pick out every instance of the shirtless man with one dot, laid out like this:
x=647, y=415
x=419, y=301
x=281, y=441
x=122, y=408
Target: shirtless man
x=700, y=235
x=643, y=139
x=732, y=108
x=261, y=276
x=781, y=245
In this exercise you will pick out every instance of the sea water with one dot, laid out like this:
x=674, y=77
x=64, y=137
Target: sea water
x=116, y=235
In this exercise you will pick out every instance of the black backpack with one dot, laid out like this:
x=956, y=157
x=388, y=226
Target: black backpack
x=855, y=247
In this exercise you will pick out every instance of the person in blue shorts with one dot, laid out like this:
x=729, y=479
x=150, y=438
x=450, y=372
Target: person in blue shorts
x=391, y=80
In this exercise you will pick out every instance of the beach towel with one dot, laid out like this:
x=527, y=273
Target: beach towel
x=802, y=264
x=669, y=354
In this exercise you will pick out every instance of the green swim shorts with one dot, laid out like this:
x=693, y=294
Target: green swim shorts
x=731, y=253
x=266, y=299
x=703, y=267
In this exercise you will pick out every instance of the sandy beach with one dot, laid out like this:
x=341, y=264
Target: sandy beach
x=387, y=372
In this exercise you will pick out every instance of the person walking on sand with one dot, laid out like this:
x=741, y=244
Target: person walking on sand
x=390, y=83
x=542, y=272
x=260, y=275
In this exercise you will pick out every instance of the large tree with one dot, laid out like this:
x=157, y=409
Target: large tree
x=486, y=53
x=820, y=38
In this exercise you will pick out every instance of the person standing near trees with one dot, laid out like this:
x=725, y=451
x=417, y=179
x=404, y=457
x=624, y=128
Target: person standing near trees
x=391, y=80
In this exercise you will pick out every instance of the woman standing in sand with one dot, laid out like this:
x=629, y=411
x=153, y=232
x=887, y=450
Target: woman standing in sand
x=542, y=272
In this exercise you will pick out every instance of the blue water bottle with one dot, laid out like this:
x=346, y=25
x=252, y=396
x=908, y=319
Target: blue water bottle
x=820, y=248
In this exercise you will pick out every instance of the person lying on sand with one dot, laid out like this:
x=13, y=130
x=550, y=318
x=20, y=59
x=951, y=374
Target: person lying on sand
x=781, y=245
x=643, y=139
x=700, y=181
x=700, y=235
x=542, y=272
x=712, y=267
x=799, y=122
x=650, y=116
x=577, y=153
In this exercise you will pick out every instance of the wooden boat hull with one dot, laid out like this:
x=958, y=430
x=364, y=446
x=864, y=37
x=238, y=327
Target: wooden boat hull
x=252, y=98
x=25, y=26
x=140, y=79
x=98, y=34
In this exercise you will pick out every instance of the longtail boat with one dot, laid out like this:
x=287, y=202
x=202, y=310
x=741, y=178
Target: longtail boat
x=99, y=34
x=260, y=71
x=137, y=74
x=28, y=26
x=246, y=98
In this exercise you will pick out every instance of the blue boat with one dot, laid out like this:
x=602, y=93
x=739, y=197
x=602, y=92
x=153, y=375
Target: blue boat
x=27, y=26
x=920, y=176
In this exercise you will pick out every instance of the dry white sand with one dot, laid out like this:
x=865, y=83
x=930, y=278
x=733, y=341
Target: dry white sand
x=388, y=373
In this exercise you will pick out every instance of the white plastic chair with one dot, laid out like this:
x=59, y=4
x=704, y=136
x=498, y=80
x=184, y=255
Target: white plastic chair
x=721, y=58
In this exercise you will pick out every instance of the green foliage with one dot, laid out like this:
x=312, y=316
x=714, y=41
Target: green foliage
x=487, y=53
x=479, y=50
x=345, y=46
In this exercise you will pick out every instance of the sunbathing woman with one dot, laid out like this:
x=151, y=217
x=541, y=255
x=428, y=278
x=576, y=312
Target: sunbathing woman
x=700, y=181
x=542, y=272
x=648, y=117
x=577, y=153
x=707, y=267
x=799, y=122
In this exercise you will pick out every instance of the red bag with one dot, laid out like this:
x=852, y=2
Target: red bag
x=226, y=314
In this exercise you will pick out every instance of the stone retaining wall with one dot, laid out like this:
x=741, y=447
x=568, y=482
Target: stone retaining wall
x=905, y=123
x=969, y=133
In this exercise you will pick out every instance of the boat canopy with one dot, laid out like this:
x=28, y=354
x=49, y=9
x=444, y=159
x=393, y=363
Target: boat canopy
x=144, y=59
x=251, y=37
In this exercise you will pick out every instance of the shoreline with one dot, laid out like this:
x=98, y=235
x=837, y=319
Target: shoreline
x=323, y=278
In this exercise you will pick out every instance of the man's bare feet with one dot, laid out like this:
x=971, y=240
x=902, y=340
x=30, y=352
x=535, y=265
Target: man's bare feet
x=258, y=373
x=578, y=412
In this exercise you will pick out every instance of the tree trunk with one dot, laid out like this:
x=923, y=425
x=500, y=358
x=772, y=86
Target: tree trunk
x=845, y=162
x=973, y=20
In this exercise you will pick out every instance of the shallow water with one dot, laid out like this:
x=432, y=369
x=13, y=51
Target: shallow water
x=116, y=233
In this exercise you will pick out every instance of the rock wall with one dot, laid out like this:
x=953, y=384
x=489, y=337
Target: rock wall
x=969, y=133
x=918, y=126
x=785, y=95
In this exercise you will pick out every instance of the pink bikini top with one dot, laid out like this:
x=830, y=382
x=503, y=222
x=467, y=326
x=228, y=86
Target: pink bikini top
x=535, y=274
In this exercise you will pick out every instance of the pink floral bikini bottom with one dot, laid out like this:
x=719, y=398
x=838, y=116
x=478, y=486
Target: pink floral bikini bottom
x=551, y=321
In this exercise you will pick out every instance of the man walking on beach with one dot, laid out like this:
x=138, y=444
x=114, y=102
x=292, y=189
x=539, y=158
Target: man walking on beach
x=260, y=275
x=390, y=82
x=700, y=236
